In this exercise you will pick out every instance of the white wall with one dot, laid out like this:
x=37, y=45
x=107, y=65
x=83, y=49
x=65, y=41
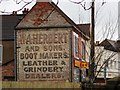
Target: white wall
x=112, y=69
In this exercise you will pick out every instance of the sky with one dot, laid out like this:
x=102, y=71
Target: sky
x=105, y=19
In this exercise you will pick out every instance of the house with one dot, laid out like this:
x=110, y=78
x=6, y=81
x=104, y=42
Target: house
x=50, y=46
x=7, y=44
x=108, y=52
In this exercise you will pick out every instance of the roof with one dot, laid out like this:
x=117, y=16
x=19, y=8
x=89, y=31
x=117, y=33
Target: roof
x=85, y=28
x=47, y=14
x=8, y=25
x=117, y=44
x=111, y=45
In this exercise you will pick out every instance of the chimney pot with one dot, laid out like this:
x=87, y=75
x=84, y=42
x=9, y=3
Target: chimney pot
x=97, y=42
x=25, y=11
x=14, y=13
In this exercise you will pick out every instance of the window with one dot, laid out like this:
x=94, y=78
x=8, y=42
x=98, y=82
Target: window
x=75, y=44
x=115, y=64
x=76, y=75
x=119, y=65
x=106, y=64
x=1, y=51
x=83, y=51
x=111, y=64
x=83, y=75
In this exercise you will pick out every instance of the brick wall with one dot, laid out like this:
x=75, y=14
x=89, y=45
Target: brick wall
x=8, y=71
x=8, y=60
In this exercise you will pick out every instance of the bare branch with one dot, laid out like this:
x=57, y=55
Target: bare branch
x=25, y=1
x=25, y=6
x=98, y=58
x=18, y=2
x=20, y=8
x=52, y=10
x=77, y=2
x=83, y=5
x=113, y=30
x=113, y=54
x=103, y=3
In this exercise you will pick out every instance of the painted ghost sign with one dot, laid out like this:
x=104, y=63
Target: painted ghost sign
x=43, y=54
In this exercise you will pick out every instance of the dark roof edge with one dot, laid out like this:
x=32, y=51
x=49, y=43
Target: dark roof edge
x=44, y=27
x=3, y=64
x=108, y=41
x=84, y=24
x=6, y=39
x=12, y=15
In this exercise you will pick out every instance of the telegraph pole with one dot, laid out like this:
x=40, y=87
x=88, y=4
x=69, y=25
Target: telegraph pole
x=92, y=44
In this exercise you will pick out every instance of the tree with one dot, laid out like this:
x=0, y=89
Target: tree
x=109, y=30
x=22, y=3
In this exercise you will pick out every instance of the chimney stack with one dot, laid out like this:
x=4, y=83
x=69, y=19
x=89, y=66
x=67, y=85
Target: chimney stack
x=25, y=11
x=14, y=13
x=97, y=43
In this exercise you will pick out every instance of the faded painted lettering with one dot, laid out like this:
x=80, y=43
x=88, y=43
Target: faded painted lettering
x=43, y=55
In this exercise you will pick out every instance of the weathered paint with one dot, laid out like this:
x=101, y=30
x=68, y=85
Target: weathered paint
x=46, y=15
x=43, y=14
x=43, y=54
